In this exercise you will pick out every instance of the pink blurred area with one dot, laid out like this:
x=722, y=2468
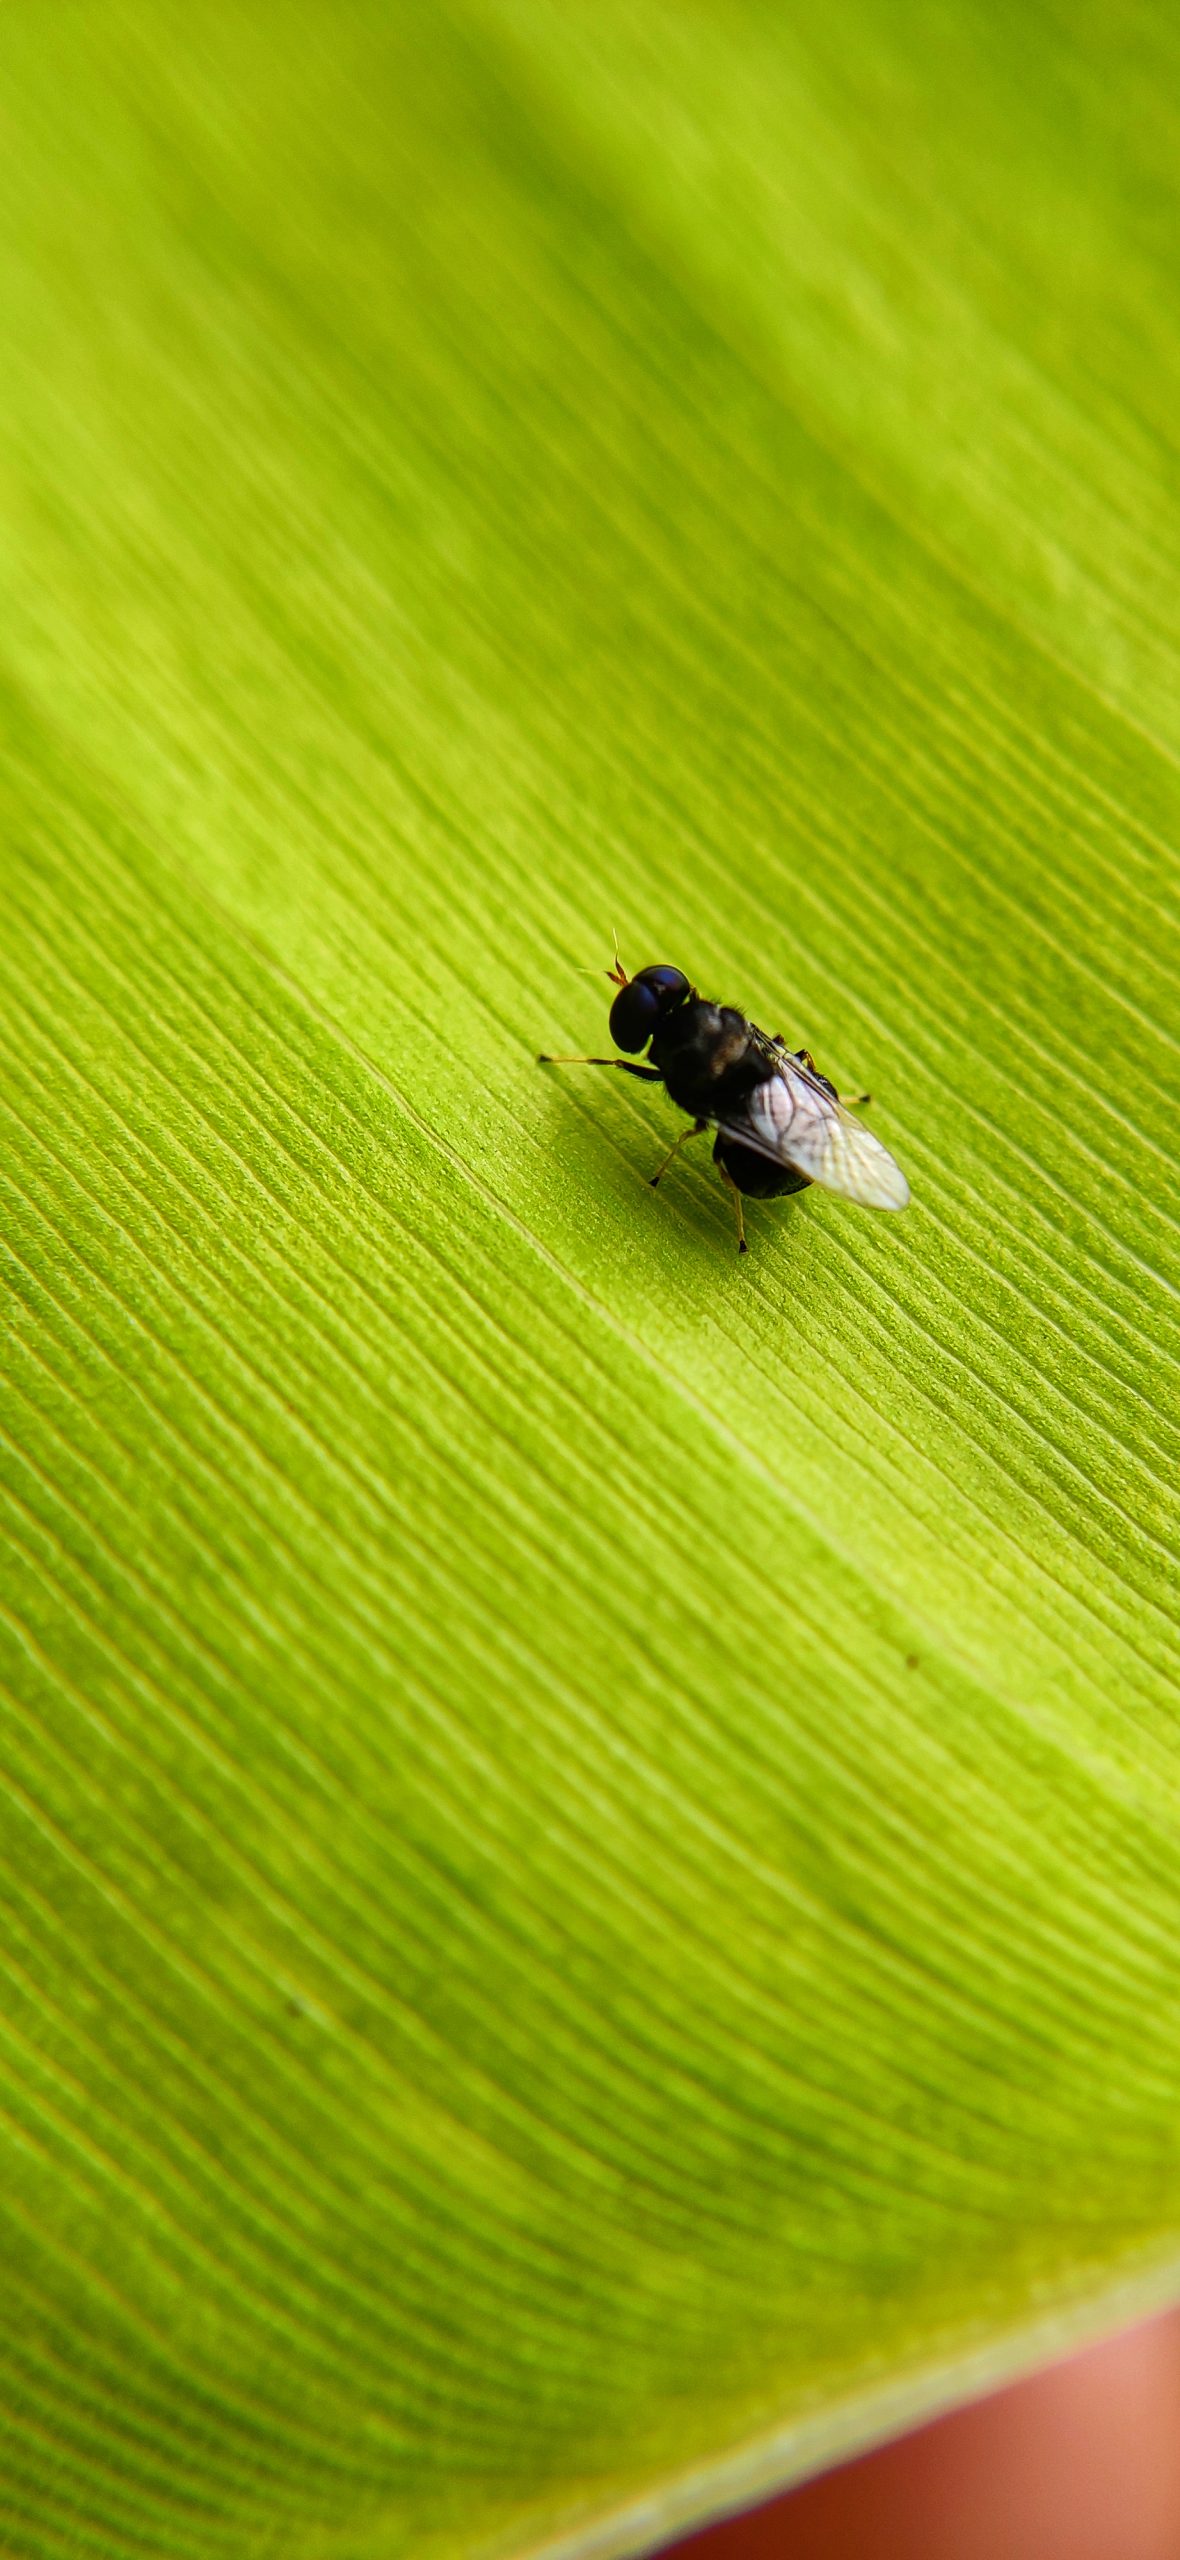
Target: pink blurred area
x=1081, y=2462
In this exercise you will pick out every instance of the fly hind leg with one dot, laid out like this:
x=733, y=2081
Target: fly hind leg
x=850, y=1101
x=736, y=1197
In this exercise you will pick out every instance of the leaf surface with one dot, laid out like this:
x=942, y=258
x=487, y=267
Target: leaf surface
x=589, y=1884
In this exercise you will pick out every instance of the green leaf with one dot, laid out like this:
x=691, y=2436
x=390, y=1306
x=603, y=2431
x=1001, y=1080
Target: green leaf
x=589, y=1882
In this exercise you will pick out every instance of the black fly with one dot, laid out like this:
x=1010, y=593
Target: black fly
x=778, y=1124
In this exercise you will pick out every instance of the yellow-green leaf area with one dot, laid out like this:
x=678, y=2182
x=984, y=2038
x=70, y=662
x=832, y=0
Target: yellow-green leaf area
x=588, y=1888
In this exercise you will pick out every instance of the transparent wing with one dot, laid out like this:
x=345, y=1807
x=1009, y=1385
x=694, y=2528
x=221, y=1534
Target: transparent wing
x=792, y=1120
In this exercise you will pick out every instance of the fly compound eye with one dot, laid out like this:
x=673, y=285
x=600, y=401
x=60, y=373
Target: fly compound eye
x=634, y=1015
x=671, y=985
x=638, y=1006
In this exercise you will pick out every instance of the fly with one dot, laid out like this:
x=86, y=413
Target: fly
x=778, y=1123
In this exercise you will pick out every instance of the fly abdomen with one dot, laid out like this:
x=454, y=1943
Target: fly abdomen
x=757, y=1175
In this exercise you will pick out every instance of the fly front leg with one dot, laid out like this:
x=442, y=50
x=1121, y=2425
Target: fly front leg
x=646, y=1075
x=697, y=1130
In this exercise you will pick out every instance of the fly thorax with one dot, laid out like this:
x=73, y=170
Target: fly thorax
x=729, y=1043
x=697, y=1050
